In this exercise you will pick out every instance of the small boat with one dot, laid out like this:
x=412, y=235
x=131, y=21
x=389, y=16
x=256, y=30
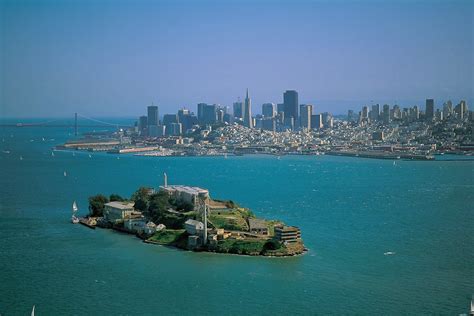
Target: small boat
x=472, y=308
x=33, y=311
x=52, y=154
x=225, y=155
x=73, y=154
x=389, y=253
x=394, y=163
x=90, y=156
x=65, y=174
x=6, y=151
x=21, y=157
x=74, y=219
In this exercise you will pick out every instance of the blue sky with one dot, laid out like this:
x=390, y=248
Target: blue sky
x=113, y=58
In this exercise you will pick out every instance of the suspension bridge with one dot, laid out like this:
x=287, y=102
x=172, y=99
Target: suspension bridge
x=90, y=123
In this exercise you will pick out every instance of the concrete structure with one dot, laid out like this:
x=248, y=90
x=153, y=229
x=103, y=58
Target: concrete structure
x=268, y=110
x=238, y=109
x=248, y=121
x=290, y=101
x=194, y=227
x=429, y=111
x=135, y=224
x=287, y=234
x=185, y=193
x=258, y=226
x=115, y=212
x=306, y=111
x=153, y=118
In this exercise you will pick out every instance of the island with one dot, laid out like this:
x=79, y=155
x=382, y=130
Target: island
x=186, y=217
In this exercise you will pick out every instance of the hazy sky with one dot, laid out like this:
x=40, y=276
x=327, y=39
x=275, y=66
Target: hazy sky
x=116, y=57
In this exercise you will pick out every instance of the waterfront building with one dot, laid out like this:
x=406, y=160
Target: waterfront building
x=248, y=121
x=115, y=212
x=290, y=101
x=193, y=227
x=153, y=118
x=268, y=110
x=429, y=109
x=287, y=234
x=238, y=109
x=306, y=111
x=316, y=121
x=135, y=224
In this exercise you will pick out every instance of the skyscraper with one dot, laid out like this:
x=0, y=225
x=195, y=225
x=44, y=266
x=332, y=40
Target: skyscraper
x=268, y=110
x=429, y=112
x=290, y=101
x=316, y=121
x=248, y=111
x=306, y=111
x=238, y=109
x=386, y=113
x=153, y=115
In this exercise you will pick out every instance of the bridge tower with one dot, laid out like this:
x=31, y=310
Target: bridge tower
x=75, y=124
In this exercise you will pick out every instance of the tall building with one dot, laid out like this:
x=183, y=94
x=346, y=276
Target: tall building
x=290, y=101
x=248, y=121
x=142, y=125
x=209, y=114
x=153, y=115
x=268, y=110
x=306, y=110
x=238, y=109
x=375, y=112
x=170, y=118
x=316, y=121
x=429, y=112
x=386, y=114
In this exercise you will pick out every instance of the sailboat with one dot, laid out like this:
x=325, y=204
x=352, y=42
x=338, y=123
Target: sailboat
x=33, y=311
x=225, y=155
x=21, y=157
x=65, y=174
x=52, y=154
x=90, y=156
x=74, y=219
x=472, y=308
x=394, y=163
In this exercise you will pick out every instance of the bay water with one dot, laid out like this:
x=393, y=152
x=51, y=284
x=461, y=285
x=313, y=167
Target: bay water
x=351, y=211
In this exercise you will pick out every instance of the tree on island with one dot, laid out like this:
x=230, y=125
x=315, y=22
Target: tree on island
x=141, y=198
x=116, y=198
x=96, y=205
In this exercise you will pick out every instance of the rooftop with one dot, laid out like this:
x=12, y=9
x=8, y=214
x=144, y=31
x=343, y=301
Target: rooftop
x=121, y=205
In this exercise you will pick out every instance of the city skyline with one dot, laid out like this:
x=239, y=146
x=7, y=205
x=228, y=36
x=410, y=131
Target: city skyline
x=336, y=55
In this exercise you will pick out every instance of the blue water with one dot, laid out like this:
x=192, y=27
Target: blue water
x=351, y=211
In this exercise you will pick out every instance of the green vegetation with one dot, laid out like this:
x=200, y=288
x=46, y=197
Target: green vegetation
x=249, y=246
x=116, y=198
x=96, y=205
x=141, y=199
x=235, y=219
x=167, y=236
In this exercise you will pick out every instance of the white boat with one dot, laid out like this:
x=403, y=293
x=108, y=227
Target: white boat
x=472, y=308
x=21, y=157
x=225, y=155
x=65, y=174
x=389, y=253
x=74, y=219
x=6, y=151
x=52, y=154
x=90, y=156
x=394, y=163
x=33, y=311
